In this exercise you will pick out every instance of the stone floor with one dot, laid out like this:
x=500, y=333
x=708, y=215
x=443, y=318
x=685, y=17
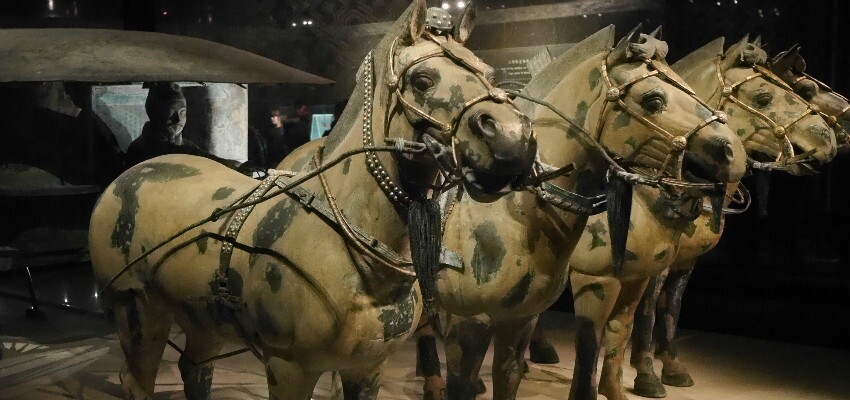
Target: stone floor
x=73, y=354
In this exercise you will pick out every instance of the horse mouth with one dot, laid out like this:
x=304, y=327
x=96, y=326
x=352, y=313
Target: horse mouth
x=485, y=183
x=694, y=171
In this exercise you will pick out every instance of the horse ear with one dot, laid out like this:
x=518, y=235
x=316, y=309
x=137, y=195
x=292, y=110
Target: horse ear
x=656, y=33
x=416, y=21
x=757, y=41
x=463, y=29
x=785, y=60
x=734, y=54
x=620, y=51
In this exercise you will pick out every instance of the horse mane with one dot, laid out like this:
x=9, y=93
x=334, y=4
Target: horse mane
x=697, y=68
x=547, y=80
x=351, y=115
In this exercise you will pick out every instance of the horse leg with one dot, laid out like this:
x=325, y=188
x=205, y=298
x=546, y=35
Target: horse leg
x=428, y=364
x=647, y=383
x=466, y=346
x=510, y=342
x=143, y=324
x=197, y=379
x=616, y=335
x=289, y=381
x=540, y=350
x=594, y=298
x=360, y=384
x=674, y=372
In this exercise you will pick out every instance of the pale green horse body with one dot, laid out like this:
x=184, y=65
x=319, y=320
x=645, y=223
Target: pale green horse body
x=664, y=295
x=662, y=225
x=517, y=250
x=305, y=297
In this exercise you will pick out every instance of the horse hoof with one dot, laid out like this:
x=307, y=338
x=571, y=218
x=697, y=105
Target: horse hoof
x=543, y=353
x=678, y=380
x=479, y=387
x=648, y=385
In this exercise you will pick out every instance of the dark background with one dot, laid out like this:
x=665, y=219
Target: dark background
x=783, y=276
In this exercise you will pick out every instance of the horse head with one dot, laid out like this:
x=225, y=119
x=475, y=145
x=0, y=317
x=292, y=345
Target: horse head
x=791, y=67
x=779, y=128
x=429, y=88
x=676, y=133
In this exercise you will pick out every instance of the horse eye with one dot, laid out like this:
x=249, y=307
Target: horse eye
x=763, y=100
x=422, y=82
x=653, y=104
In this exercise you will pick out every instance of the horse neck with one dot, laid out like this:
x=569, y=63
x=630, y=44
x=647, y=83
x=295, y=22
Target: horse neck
x=356, y=191
x=579, y=97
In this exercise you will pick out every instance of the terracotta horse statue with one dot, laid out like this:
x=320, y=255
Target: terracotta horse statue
x=780, y=130
x=516, y=251
x=791, y=67
x=312, y=272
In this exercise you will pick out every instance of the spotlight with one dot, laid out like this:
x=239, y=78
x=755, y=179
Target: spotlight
x=310, y=22
x=294, y=24
x=446, y=6
x=461, y=4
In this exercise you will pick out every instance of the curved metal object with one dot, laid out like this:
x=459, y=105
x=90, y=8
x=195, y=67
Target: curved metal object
x=113, y=56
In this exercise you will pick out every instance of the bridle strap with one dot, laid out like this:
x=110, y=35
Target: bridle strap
x=450, y=167
x=727, y=94
x=677, y=143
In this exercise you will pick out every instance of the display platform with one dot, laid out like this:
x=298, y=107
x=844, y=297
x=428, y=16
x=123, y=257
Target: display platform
x=73, y=354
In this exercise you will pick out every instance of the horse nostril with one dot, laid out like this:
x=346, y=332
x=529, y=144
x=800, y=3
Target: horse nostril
x=484, y=124
x=730, y=152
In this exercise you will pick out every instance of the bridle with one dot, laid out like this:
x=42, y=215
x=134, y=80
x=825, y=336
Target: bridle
x=727, y=94
x=831, y=119
x=677, y=143
x=443, y=146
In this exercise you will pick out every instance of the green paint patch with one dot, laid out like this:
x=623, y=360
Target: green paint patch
x=630, y=256
x=398, y=319
x=223, y=193
x=346, y=165
x=595, y=288
x=272, y=226
x=661, y=255
x=273, y=276
x=519, y=292
x=593, y=78
x=201, y=242
x=127, y=187
x=690, y=229
x=488, y=253
x=632, y=143
x=598, y=231
x=622, y=120
x=741, y=132
x=579, y=117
